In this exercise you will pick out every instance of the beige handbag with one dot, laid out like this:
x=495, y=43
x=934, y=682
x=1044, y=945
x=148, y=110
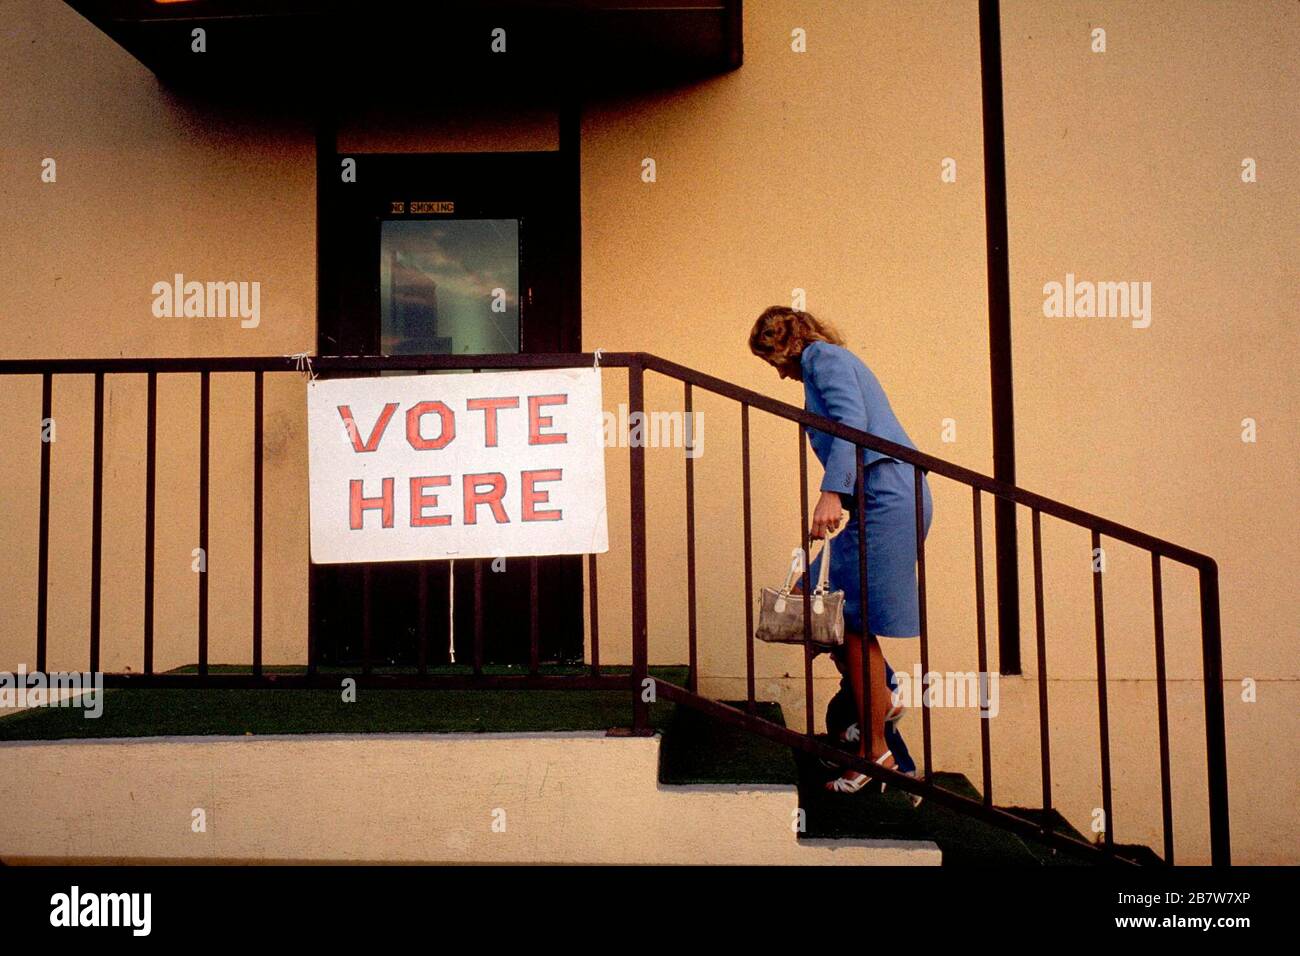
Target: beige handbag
x=780, y=615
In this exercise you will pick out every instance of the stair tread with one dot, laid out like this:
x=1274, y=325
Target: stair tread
x=963, y=840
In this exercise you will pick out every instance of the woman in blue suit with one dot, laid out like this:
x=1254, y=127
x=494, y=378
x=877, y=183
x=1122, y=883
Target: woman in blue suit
x=837, y=385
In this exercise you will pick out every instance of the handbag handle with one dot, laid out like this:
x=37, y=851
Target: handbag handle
x=823, y=574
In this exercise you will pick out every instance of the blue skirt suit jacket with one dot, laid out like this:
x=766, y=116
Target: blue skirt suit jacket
x=839, y=386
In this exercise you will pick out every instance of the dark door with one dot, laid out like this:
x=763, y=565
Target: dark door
x=461, y=253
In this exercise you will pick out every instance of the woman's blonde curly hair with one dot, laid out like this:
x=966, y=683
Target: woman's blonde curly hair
x=781, y=333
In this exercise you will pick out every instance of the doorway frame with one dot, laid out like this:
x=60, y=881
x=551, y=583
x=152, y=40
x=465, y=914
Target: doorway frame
x=556, y=266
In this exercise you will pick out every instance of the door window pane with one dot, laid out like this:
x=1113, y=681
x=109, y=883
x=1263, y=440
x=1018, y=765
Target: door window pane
x=449, y=286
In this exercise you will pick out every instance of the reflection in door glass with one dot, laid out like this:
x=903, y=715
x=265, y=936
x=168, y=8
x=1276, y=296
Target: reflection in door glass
x=449, y=286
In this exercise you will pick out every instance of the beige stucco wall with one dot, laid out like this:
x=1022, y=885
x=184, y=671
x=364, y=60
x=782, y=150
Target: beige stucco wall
x=821, y=172
x=818, y=171
x=148, y=184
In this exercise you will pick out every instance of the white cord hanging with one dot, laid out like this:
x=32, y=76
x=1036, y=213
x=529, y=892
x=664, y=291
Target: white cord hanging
x=451, y=609
x=302, y=363
x=596, y=362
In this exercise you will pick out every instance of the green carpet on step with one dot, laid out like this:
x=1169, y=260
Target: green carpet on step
x=148, y=712
x=700, y=750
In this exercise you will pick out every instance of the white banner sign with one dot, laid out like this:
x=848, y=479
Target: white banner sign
x=490, y=464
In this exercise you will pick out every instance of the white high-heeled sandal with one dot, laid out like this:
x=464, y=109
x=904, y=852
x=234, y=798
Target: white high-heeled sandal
x=845, y=785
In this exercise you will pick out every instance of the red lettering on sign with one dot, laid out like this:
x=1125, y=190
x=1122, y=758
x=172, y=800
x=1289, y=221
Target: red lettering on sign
x=420, y=501
x=534, y=496
x=537, y=421
x=492, y=497
x=418, y=441
x=360, y=505
x=489, y=407
x=376, y=433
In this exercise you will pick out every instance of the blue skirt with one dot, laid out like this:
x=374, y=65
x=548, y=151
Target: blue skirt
x=891, y=553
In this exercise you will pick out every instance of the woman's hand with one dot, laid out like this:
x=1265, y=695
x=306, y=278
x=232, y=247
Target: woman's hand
x=827, y=515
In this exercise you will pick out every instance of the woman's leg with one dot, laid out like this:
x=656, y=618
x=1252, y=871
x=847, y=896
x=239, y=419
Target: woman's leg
x=871, y=744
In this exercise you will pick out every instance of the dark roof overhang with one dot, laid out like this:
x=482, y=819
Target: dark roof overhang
x=301, y=46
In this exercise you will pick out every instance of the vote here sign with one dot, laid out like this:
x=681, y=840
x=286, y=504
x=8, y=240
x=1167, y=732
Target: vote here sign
x=491, y=464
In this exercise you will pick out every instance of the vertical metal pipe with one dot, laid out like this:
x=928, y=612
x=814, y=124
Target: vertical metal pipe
x=1040, y=626
x=692, y=681
x=1000, y=354
x=43, y=540
x=1216, y=750
x=258, y=405
x=982, y=649
x=1162, y=708
x=1102, y=710
x=97, y=524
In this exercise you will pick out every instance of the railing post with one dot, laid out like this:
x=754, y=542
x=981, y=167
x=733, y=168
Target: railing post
x=259, y=402
x=692, y=636
x=1103, y=711
x=918, y=501
x=150, y=512
x=1040, y=632
x=981, y=650
x=1162, y=708
x=422, y=619
x=806, y=544
x=594, y=612
x=1216, y=750
x=43, y=540
x=205, y=463
x=534, y=621
x=749, y=557
x=478, y=618
x=636, y=485
x=97, y=523
x=864, y=605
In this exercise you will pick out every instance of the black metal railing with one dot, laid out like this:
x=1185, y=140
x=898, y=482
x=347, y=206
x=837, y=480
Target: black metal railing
x=593, y=675
x=202, y=673
x=923, y=464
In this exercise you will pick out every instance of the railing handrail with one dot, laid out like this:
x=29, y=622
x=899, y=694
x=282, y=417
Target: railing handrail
x=929, y=463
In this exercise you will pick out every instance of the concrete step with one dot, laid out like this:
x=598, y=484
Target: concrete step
x=396, y=798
